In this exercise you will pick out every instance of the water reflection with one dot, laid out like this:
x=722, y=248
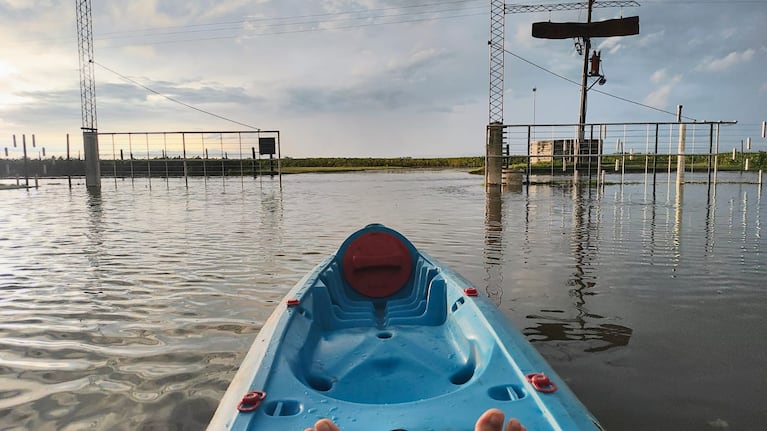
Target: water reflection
x=493, y=251
x=94, y=247
x=186, y=277
x=599, y=337
x=553, y=324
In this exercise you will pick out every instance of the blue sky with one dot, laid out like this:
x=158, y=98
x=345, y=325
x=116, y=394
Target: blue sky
x=368, y=77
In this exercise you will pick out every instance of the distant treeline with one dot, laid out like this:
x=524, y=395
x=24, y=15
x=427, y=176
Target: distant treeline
x=399, y=162
x=175, y=167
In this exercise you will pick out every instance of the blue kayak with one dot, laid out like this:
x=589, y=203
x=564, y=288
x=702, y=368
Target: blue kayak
x=381, y=337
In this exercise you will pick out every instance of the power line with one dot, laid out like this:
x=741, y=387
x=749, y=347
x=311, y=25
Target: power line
x=593, y=89
x=347, y=27
x=318, y=15
x=284, y=21
x=306, y=30
x=172, y=99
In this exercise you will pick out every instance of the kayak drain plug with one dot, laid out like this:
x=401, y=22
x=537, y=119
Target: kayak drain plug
x=251, y=401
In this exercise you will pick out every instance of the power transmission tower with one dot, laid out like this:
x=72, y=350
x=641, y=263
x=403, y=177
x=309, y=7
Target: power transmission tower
x=88, y=94
x=496, y=42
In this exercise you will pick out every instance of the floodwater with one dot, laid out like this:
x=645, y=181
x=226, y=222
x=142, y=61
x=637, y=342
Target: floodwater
x=132, y=308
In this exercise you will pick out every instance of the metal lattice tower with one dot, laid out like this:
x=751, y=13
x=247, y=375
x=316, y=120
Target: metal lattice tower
x=87, y=77
x=496, y=42
x=498, y=11
x=556, y=7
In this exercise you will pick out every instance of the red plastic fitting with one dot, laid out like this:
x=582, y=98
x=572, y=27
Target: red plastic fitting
x=541, y=382
x=251, y=401
x=471, y=291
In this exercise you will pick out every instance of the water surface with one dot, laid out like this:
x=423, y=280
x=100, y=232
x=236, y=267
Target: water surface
x=132, y=308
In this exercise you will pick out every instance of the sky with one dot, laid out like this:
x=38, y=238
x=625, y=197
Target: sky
x=368, y=78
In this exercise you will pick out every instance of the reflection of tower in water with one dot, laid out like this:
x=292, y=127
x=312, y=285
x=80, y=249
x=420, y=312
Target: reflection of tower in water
x=555, y=325
x=493, y=251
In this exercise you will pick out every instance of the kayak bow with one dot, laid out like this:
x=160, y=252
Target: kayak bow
x=381, y=337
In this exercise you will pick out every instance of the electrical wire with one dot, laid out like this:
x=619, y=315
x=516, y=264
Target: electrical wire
x=304, y=30
x=134, y=82
x=284, y=21
x=318, y=15
x=595, y=90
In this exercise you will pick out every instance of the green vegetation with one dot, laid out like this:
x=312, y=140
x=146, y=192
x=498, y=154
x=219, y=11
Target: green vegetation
x=175, y=167
x=636, y=163
x=11, y=186
x=400, y=162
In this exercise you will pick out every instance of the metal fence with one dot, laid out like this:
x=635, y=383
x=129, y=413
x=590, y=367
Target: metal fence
x=631, y=147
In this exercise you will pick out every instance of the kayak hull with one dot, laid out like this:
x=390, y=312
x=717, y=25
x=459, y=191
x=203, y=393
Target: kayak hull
x=380, y=336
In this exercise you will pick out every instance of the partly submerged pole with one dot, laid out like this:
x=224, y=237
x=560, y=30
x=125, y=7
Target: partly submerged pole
x=26, y=170
x=494, y=155
x=69, y=165
x=680, y=150
x=92, y=163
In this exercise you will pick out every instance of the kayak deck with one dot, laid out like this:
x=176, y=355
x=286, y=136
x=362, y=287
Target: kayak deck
x=395, y=365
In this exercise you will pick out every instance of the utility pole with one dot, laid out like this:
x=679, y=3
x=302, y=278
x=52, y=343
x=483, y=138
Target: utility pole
x=498, y=11
x=585, y=31
x=584, y=83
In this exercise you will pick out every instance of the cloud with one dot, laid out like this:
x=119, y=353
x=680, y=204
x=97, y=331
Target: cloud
x=658, y=76
x=424, y=80
x=711, y=64
x=763, y=88
x=611, y=44
x=651, y=39
x=659, y=96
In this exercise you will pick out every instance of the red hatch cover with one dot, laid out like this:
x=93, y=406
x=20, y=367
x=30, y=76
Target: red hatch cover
x=377, y=264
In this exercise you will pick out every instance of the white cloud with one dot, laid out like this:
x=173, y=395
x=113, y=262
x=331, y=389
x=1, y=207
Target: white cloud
x=223, y=8
x=729, y=32
x=711, y=64
x=611, y=44
x=658, y=76
x=651, y=39
x=659, y=96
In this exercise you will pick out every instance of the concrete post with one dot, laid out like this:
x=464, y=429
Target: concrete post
x=680, y=153
x=494, y=155
x=92, y=162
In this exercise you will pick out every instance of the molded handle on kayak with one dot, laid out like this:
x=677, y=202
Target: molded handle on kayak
x=362, y=263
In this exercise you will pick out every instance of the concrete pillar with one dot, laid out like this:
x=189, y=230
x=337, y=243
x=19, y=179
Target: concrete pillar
x=494, y=155
x=92, y=162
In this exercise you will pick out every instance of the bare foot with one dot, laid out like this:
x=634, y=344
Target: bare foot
x=492, y=420
x=324, y=425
